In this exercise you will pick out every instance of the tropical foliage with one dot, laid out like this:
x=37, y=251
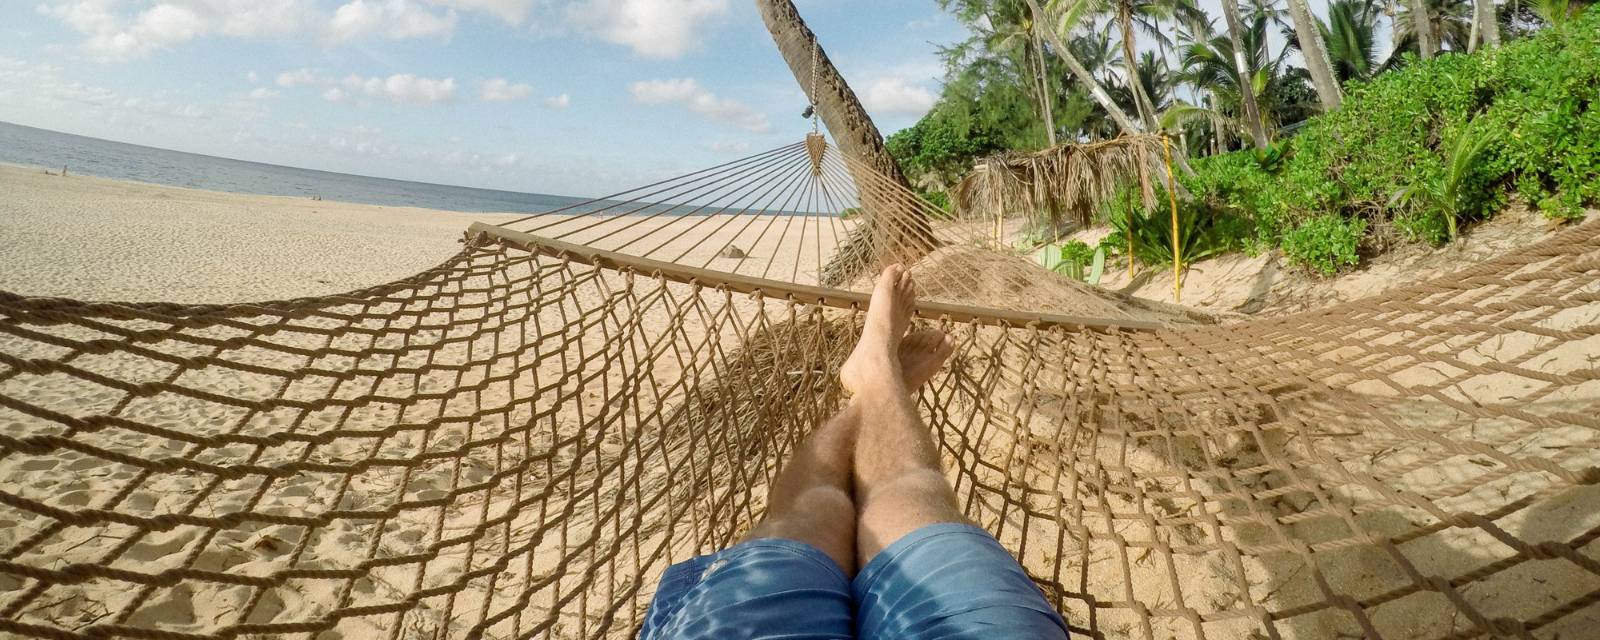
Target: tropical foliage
x=1416, y=150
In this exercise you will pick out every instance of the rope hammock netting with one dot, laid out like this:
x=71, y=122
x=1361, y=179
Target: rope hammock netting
x=517, y=442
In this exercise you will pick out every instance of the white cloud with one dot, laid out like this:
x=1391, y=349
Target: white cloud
x=252, y=76
x=303, y=76
x=120, y=30
x=114, y=35
x=263, y=93
x=698, y=100
x=394, y=19
x=500, y=90
x=402, y=88
x=43, y=88
x=895, y=95
x=652, y=28
x=512, y=11
x=729, y=147
x=559, y=102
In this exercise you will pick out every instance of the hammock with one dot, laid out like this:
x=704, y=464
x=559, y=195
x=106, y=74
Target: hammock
x=516, y=443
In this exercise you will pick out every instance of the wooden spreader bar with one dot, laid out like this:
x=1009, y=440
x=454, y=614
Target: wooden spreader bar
x=836, y=298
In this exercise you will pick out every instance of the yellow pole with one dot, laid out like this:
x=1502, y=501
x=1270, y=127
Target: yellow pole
x=1130, y=238
x=1177, y=256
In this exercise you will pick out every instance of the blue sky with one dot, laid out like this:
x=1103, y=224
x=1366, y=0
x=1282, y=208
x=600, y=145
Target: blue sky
x=574, y=97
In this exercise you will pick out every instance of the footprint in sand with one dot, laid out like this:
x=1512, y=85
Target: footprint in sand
x=161, y=544
x=167, y=608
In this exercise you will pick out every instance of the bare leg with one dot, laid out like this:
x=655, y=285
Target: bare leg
x=899, y=485
x=810, y=500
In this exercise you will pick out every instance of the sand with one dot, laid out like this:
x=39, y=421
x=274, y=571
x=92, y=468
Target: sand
x=98, y=239
x=89, y=238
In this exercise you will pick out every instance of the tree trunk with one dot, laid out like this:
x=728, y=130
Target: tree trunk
x=908, y=235
x=1424, y=28
x=1247, y=85
x=1044, y=88
x=1315, y=52
x=1484, y=25
x=1130, y=62
x=1081, y=74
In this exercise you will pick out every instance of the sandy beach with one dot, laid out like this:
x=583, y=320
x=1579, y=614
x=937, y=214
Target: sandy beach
x=97, y=239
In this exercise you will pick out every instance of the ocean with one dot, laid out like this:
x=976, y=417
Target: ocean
x=120, y=161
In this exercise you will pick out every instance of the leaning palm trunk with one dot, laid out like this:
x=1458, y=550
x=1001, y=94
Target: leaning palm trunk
x=1315, y=52
x=1083, y=76
x=1247, y=85
x=854, y=133
x=1070, y=181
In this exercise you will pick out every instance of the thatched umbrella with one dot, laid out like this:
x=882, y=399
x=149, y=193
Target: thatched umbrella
x=1065, y=180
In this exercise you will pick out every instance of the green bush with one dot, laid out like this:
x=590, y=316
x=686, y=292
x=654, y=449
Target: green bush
x=1202, y=233
x=1077, y=251
x=1540, y=95
x=1325, y=243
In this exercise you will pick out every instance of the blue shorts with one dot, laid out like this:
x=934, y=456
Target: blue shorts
x=942, y=581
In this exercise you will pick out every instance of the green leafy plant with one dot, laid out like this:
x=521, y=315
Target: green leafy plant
x=1325, y=243
x=1442, y=191
x=1072, y=257
x=1273, y=158
x=1201, y=235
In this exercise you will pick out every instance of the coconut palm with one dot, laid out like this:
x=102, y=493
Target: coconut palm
x=1315, y=53
x=1449, y=24
x=853, y=131
x=1351, y=37
x=1252, y=115
x=1010, y=28
x=1282, y=93
x=1060, y=20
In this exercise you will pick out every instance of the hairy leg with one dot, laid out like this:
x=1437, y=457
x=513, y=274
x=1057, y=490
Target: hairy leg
x=899, y=484
x=810, y=500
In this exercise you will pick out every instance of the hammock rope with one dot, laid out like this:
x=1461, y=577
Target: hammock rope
x=516, y=443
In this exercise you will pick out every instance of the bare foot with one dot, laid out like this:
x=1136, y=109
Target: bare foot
x=922, y=354
x=875, y=360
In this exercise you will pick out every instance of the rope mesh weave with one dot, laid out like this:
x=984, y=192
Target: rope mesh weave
x=515, y=445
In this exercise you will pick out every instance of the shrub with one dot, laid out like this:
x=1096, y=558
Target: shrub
x=1325, y=243
x=1202, y=233
x=1539, y=96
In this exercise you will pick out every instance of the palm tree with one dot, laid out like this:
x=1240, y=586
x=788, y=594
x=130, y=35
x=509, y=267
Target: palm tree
x=836, y=103
x=1315, y=52
x=1281, y=92
x=1063, y=18
x=1445, y=23
x=855, y=134
x=1351, y=36
x=1124, y=16
x=1230, y=11
x=1012, y=27
x=1421, y=26
x=1484, y=24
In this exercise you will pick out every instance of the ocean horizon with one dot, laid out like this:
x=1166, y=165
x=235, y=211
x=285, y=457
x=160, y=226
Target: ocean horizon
x=83, y=155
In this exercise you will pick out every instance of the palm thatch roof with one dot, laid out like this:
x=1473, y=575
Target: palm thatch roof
x=1065, y=180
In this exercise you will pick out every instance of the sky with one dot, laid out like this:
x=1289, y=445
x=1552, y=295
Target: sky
x=570, y=97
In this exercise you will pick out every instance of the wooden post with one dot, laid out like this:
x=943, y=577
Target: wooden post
x=1177, y=249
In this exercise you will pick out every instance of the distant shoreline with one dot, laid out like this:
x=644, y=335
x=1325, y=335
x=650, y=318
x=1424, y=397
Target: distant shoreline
x=35, y=148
